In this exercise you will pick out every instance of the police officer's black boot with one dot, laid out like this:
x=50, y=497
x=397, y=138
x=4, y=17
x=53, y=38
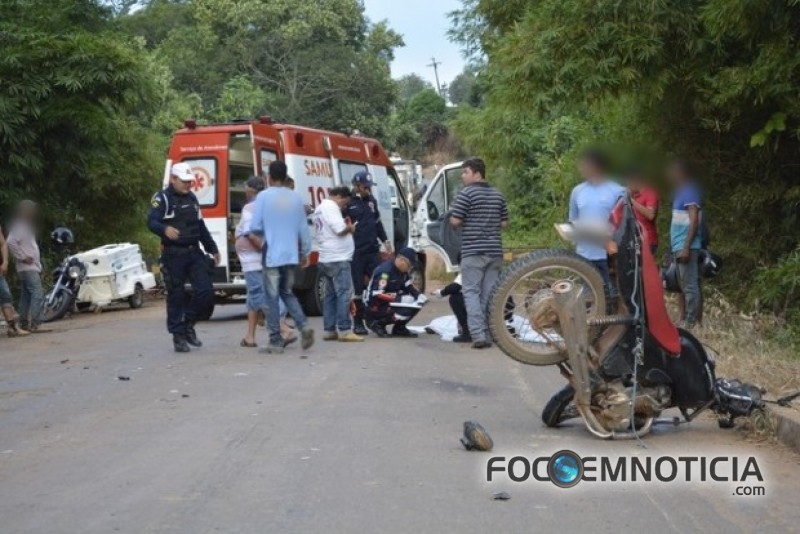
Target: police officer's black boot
x=191, y=336
x=401, y=330
x=379, y=328
x=359, y=328
x=180, y=344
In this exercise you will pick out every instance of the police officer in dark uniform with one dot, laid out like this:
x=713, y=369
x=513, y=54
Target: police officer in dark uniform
x=391, y=284
x=368, y=236
x=175, y=218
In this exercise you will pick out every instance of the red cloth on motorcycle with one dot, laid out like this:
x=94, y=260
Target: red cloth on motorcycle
x=659, y=323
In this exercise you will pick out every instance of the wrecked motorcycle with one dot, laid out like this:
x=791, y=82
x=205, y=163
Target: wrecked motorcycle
x=625, y=364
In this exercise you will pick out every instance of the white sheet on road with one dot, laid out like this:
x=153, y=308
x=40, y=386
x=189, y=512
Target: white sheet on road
x=447, y=328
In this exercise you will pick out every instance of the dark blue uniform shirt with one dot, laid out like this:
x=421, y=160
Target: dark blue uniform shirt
x=364, y=211
x=182, y=212
x=389, y=283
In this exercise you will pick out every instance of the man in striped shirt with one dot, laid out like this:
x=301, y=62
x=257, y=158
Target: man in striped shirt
x=481, y=212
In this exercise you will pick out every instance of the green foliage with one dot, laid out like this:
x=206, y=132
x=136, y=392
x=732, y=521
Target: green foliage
x=711, y=80
x=425, y=105
x=778, y=286
x=74, y=109
x=419, y=126
x=318, y=63
x=460, y=89
x=240, y=98
x=410, y=85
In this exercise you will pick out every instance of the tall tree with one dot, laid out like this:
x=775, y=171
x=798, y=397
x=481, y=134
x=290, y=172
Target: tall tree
x=318, y=63
x=75, y=97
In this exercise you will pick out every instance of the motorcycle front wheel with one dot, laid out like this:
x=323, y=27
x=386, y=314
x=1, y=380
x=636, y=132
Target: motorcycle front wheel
x=62, y=303
x=560, y=407
x=522, y=322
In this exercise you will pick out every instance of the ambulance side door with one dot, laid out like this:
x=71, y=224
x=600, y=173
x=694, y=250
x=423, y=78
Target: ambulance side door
x=382, y=193
x=266, y=147
x=433, y=213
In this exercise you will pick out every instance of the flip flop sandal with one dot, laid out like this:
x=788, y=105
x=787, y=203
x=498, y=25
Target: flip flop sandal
x=248, y=345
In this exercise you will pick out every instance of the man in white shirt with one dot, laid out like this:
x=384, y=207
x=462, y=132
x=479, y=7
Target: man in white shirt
x=336, y=247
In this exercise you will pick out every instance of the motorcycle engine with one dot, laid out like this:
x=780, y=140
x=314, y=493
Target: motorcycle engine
x=614, y=404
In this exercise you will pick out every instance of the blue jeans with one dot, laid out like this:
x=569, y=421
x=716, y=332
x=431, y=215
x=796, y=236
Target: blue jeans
x=256, y=296
x=689, y=280
x=478, y=276
x=278, y=282
x=256, y=299
x=31, y=299
x=602, y=266
x=5, y=293
x=338, y=293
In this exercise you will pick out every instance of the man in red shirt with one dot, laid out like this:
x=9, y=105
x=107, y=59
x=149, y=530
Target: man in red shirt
x=645, y=207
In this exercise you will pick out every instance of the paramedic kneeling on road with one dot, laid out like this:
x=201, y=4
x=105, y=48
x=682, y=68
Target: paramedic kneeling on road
x=369, y=233
x=175, y=218
x=391, y=297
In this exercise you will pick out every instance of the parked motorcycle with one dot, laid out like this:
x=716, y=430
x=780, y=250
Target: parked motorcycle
x=623, y=369
x=67, y=278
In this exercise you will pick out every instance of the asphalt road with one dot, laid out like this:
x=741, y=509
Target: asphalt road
x=355, y=438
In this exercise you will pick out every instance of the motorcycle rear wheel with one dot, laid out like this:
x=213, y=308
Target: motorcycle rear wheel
x=62, y=303
x=528, y=279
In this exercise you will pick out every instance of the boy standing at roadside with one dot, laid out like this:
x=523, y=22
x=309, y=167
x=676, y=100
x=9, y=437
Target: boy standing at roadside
x=593, y=201
x=685, y=240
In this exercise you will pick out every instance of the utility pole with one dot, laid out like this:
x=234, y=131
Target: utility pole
x=435, y=64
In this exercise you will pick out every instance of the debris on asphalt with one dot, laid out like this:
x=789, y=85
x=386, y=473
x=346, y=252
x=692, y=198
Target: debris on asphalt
x=475, y=437
x=123, y=378
x=86, y=367
x=501, y=496
x=65, y=361
x=185, y=396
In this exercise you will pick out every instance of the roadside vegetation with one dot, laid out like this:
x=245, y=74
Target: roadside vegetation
x=709, y=80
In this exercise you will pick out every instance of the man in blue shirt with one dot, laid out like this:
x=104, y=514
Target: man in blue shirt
x=280, y=229
x=593, y=201
x=685, y=241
